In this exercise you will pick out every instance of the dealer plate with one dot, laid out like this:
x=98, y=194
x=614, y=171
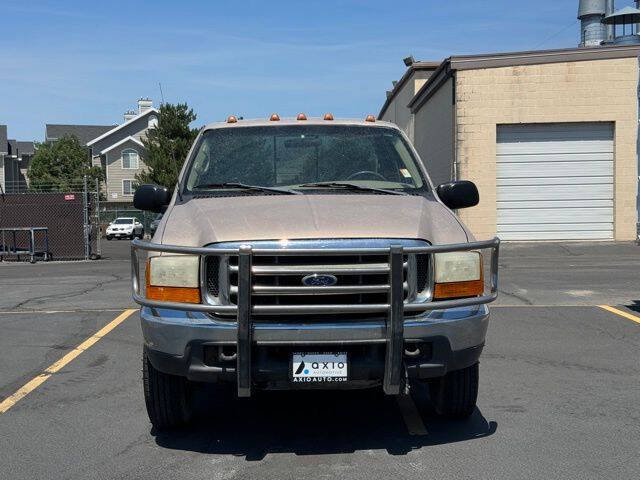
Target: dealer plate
x=319, y=367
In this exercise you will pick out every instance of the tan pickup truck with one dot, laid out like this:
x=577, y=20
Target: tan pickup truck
x=310, y=254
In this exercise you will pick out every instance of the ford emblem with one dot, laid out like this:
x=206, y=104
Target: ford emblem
x=319, y=280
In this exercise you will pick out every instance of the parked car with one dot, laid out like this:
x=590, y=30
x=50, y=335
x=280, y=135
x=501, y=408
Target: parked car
x=154, y=224
x=125, y=227
x=306, y=254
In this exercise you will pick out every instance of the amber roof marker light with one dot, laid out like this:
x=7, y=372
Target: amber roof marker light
x=328, y=116
x=232, y=119
x=370, y=118
x=301, y=116
x=274, y=117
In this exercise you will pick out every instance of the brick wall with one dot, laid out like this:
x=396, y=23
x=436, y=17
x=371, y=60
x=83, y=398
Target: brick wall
x=590, y=91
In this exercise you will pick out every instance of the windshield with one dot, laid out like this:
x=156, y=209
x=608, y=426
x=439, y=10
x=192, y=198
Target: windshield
x=292, y=156
x=123, y=221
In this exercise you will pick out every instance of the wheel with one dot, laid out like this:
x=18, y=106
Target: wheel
x=454, y=395
x=167, y=397
x=109, y=237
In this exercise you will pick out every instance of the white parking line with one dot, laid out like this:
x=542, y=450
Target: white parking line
x=411, y=415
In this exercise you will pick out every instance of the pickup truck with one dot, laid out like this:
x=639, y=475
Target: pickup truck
x=310, y=253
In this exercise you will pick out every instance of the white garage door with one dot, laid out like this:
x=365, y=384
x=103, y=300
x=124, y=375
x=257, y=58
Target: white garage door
x=555, y=181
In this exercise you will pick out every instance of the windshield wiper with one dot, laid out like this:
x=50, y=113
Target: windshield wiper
x=351, y=186
x=244, y=186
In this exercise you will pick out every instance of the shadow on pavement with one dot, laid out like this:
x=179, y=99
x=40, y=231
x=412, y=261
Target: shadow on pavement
x=635, y=306
x=312, y=423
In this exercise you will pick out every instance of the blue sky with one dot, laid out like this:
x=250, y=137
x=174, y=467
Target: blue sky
x=83, y=62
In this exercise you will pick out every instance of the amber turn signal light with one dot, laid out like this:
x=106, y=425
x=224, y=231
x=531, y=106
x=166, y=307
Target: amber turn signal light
x=301, y=116
x=170, y=294
x=472, y=288
x=274, y=117
x=174, y=294
x=370, y=118
x=328, y=116
x=232, y=119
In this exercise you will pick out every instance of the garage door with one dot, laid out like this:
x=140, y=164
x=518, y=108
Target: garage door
x=555, y=181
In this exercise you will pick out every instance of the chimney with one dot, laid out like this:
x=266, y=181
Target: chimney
x=129, y=114
x=144, y=105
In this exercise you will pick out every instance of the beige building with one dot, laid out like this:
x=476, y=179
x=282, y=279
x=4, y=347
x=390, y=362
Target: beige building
x=395, y=107
x=549, y=137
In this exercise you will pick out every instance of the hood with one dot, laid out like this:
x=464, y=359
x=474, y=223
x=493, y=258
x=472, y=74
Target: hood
x=201, y=221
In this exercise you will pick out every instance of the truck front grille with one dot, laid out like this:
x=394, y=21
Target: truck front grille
x=212, y=275
x=278, y=280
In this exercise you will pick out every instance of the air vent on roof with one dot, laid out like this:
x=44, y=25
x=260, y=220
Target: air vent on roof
x=600, y=24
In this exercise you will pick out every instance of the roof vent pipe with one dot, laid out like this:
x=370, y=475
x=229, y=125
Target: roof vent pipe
x=610, y=29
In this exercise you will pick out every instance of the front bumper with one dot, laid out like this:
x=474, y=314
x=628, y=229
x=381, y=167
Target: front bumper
x=181, y=330
x=179, y=343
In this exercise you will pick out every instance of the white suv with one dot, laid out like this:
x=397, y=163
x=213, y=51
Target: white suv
x=125, y=227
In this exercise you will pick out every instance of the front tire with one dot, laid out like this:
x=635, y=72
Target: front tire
x=167, y=397
x=454, y=395
x=109, y=237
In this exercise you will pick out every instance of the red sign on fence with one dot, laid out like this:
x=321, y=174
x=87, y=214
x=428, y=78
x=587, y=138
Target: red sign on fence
x=70, y=196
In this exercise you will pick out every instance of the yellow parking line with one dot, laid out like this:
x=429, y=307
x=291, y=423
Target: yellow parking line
x=622, y=313
x=34, y=383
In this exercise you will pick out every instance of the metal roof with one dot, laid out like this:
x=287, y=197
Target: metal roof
x=265, y=122
x=624, y=15
x=84, y=133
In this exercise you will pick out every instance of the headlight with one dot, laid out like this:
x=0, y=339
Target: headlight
x=458, y=275
x=173, y=278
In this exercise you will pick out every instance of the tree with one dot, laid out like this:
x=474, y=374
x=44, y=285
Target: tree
x=167, y=145
x=61, y=166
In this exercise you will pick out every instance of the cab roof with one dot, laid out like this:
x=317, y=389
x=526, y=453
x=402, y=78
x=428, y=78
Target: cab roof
x=265, y=122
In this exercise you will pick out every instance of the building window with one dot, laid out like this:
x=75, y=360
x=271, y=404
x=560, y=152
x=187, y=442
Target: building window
x=130, y=159
x=128, y=187
x=153, y=121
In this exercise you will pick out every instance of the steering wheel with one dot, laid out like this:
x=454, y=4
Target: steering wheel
x=366, y=172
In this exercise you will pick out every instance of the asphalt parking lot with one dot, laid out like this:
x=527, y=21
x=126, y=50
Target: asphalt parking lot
x=559, y=390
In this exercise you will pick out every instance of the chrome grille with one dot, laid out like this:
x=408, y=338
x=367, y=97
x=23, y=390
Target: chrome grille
x=278, y=279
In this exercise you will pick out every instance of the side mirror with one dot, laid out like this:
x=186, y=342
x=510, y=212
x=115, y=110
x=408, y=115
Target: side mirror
x=460, y=194
x=152, y=198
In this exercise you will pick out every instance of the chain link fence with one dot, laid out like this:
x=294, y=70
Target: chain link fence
x=53, y=221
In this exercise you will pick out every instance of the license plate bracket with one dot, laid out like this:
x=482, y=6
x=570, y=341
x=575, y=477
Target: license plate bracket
x=319, y=367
